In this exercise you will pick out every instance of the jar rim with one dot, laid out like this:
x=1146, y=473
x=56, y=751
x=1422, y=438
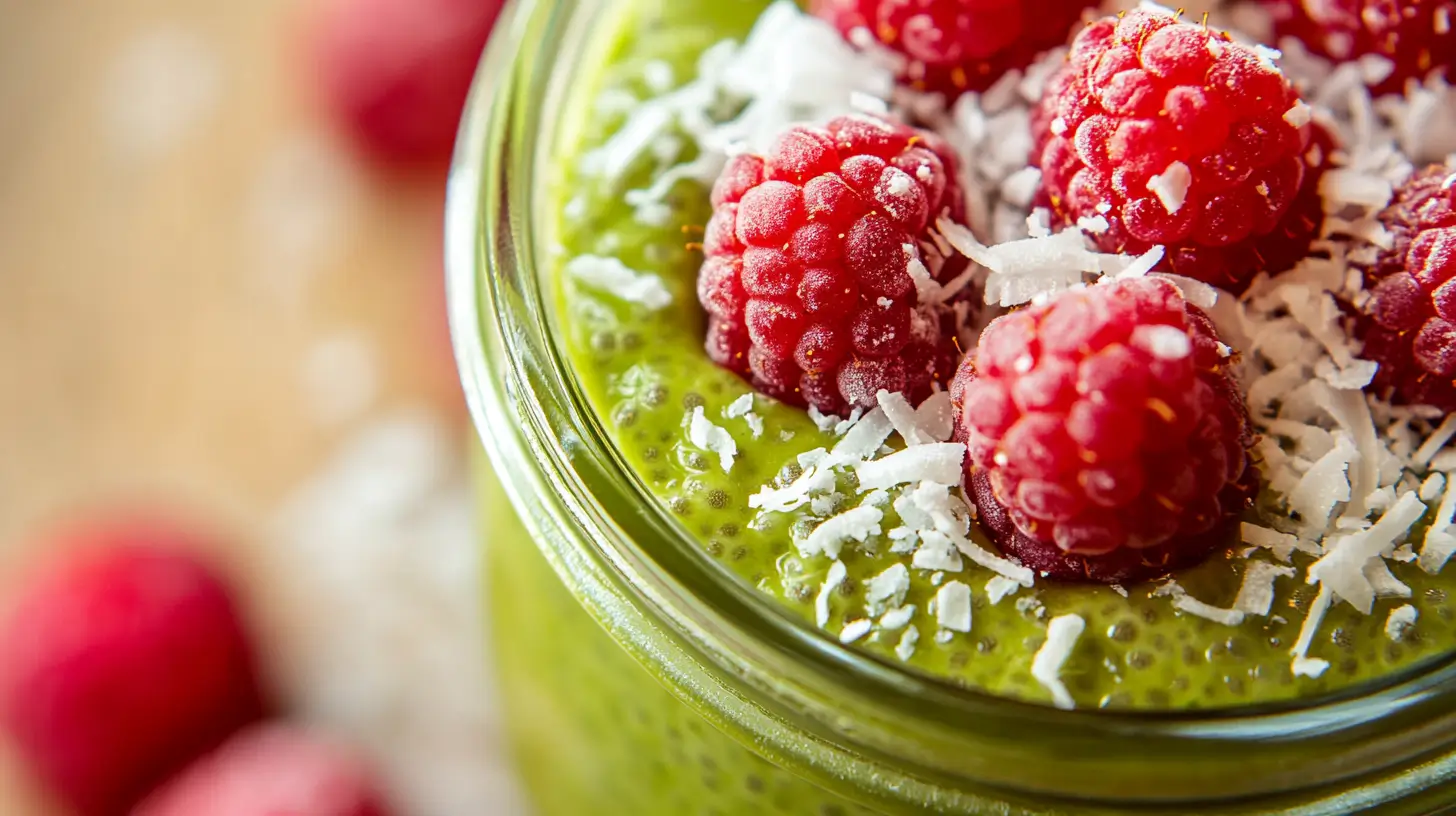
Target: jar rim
x=496, y=300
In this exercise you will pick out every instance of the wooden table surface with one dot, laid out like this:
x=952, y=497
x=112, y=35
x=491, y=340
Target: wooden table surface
x=201, y=294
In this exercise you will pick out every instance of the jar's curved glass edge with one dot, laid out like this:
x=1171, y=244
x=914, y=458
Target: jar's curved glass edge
x=466, y=254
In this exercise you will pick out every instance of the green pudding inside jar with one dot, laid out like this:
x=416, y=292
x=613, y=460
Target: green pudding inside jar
x=633, y=680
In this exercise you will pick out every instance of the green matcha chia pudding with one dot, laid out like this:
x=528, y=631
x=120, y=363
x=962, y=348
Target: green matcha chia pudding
x=941, y=566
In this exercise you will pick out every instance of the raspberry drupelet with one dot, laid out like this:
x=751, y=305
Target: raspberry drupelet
x=1417, y=36
x=1107, y=438
x=1180, y=137
x=807, y=279
x=1409, y=324
x=958, y=45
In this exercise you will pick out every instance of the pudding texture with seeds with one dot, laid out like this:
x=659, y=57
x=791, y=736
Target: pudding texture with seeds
x=644, y=371
x=587, y=721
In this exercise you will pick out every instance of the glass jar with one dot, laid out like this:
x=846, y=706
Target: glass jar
x=639, y=677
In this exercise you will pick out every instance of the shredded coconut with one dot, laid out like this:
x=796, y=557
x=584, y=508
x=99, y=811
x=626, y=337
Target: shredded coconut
x=832, y=580
x=855, y=629
x=858, y=523
x=614, y=277
x=1046, y=667
x=1256, y=593
x=704, y=434
x=1171, y=186
x=953, y=607
x=1400, y=619
x=999, y=586
x=938, y=463
x=905, y=649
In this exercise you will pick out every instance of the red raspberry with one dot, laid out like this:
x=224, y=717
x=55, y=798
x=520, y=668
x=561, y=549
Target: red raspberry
x=271, y=770
x=806, y=280
x=1107, y=438
x=1148, y=96
x=959, y=45
x=121, y=662
x=1409, y=324
x=1418, y=36
x=395, y=73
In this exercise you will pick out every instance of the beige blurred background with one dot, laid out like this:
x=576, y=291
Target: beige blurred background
x=208, y=306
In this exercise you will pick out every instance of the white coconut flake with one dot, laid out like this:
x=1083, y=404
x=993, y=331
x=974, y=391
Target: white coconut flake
x=897, y=618
x=857, y=524
x=937, y=463
x=1256, y=593
x=1197, y=608
x=1168, y=342
x=1001, y=566
x=855, y=629
x=902, y=417
x=1324, y=485
x=863, y=439
x=1281, y=544
x=614, y=277
x=1303, y=665
x=1355, y=187
x=936, y=417
x=998, y=587
x=1171, y=186
x=704, y=434
x=832, y=580
x=1046, y=666
x=887, y=589
x=739, y=407
x=905, y=649
x=953, y=607
x=1194, y=291
x=822, y=421
x=1298, y=114
x=1399, y=620
x=1432, y=487
x=1435, y=441
x=936, y=552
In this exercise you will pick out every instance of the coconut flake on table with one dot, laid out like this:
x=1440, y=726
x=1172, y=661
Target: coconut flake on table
x=709, y=437
x=1046, y=666
x=616, y=278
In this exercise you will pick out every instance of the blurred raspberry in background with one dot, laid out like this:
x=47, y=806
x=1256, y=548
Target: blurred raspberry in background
x=123, y=659
x=221, y=295
x=394, y=74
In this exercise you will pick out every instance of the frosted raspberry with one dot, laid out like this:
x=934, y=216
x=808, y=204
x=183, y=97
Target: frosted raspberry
x=807, y=279
x=1180, y=137
x=1409, y=324
x=1107, y=438
x=122, y=661
x=1418, y=36
x=958, y=45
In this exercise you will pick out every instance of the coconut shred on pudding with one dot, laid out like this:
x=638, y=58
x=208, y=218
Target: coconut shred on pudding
x=1115, y=375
